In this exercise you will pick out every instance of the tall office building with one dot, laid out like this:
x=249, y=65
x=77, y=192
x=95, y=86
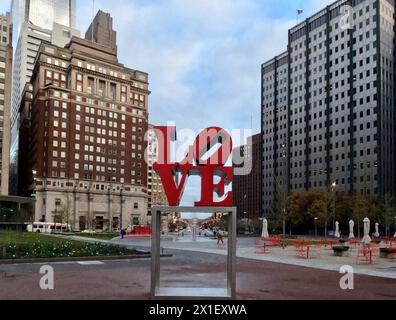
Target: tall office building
x=328, y=103
x=83, y=122
x=246, y=185
x=101, y=31
x=5, y=99
x=34, y=21
x=155, y=189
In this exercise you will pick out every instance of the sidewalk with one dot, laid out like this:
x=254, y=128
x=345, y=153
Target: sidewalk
x=386, y=268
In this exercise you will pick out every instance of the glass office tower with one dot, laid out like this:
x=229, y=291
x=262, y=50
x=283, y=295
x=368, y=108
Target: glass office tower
x=33, y=21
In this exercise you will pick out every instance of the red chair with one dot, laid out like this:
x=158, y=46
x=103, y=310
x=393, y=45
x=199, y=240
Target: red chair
x=367, y=254
x=260, y=246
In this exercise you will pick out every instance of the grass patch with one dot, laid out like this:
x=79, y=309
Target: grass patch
x=100, y=236
x=31, y=245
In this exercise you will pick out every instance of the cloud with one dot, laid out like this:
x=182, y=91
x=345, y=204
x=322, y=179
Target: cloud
x=203, y=57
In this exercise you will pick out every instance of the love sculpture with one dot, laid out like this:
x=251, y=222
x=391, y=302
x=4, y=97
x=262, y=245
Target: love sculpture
x=194, y=164
x=207, y=158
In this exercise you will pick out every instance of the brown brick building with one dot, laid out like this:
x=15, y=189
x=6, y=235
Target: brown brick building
x=247, y=186
x=83, y=122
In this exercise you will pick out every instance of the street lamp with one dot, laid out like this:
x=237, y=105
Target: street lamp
x=316, y=227
x=34, y=173
x=246, y=223
x=333, y=186
x=284, y=228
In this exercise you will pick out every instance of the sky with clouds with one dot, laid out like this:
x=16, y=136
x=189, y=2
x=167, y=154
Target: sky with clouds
x=203, y=56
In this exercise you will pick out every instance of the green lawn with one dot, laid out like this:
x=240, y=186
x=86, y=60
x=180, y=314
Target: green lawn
x=101, y=236
x=31, y=245
x=25, y=238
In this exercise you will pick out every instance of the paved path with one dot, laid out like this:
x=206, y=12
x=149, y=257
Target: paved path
x=130, y=279
x=245, y=249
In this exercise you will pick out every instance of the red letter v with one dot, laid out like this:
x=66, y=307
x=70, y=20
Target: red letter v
x=167, y=174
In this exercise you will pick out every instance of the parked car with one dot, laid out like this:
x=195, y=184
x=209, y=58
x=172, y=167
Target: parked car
x=208, y=233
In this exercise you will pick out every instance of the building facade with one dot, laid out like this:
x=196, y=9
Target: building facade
x=5, y=99
x=33, y=21
x=327, y=103
x=246, y=185
x=83, y=122
x=101, y=31
x=156, y=193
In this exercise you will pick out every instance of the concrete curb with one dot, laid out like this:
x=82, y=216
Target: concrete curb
x=72, y=259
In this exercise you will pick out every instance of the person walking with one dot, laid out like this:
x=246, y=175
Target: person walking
x=122, y=233
x=220, y=236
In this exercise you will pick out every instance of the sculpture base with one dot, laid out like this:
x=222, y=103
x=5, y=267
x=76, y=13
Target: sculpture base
x=198, y=292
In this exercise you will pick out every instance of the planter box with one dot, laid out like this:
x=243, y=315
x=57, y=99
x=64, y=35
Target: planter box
x=388, y=253
x=341, y=251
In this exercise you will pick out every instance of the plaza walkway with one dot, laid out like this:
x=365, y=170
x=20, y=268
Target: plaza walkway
x=325, y=260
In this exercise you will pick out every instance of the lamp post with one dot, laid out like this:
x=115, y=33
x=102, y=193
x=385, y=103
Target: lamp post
x=284, y=195
x=121, y=205
x=246, y=223
x=34, y=173
x=333, y=186
x=316, y=227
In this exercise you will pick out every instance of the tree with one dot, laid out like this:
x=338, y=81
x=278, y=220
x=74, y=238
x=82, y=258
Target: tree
x=298, y=208
x=64, y=212
x=360, y=206
x=279, y=208
x=319, y=209
x=388, y=212
x=22, y=215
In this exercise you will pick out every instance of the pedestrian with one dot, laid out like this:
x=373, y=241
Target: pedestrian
x=220, y=237
x=122, y=232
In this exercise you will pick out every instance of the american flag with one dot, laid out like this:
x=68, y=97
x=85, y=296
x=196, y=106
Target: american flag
x=300, y=11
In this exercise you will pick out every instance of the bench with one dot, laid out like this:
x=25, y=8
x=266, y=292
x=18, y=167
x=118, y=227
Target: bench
x=368, y=255
x=305, y=250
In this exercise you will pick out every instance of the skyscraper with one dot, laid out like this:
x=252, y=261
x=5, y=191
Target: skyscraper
x=101, y=31
x=34, y=21
x=328, y=113
x=5, y=99
x=246, y=185
x=83, y=121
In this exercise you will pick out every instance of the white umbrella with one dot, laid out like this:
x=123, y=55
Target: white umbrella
x=376, y=233
x=337, y=230
x=351, y=225
x=366, y=229
x=265, y=234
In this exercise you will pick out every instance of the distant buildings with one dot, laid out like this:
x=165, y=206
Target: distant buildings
x=247, y=186
x=83, y=119
x=328, y=113
x=5, y=100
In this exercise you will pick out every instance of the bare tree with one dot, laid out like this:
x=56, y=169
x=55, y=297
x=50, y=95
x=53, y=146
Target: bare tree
x=64, y=212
